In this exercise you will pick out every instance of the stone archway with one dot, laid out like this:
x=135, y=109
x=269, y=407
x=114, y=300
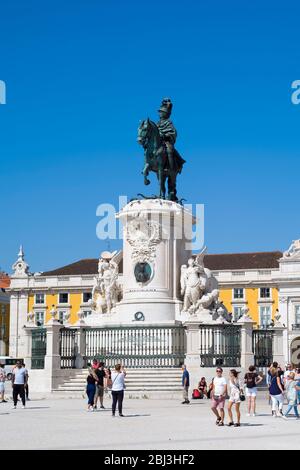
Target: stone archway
x=295, y=352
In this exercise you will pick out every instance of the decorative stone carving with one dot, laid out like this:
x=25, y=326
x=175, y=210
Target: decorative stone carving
x=30, y=319
x=245, y=318
x=143, y=235
x=293, y=252
x=20, y=267
x=106, y=290
x=199, y=290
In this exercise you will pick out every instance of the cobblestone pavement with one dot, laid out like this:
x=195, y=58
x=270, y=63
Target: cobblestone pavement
x=148, y=424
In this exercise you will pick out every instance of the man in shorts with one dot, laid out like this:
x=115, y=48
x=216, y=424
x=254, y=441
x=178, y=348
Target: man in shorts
x=218, y=396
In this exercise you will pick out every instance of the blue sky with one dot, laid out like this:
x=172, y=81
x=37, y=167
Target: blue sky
x=81, y=74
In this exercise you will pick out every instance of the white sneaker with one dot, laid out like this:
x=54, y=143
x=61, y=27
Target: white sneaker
x=248, y=414
x=254, y=414
x=23, y=407
x=14, y=407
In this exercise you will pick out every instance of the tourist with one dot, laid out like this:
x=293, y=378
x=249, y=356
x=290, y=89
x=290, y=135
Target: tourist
x=234, y=398
x=210, y=387
x=100, y=373
x=91, y=388
x=185, y=385
x=252, y=379
x=276, y=391
x=2, y=384
x=202, y=387
x=26, y=385
x=117, y=389
x=218, y=396
x=297, y=378
x=291, y=394
x=19, y=381
x=288, y=370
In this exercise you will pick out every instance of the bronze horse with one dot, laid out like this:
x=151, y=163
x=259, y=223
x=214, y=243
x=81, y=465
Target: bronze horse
x=156, y=159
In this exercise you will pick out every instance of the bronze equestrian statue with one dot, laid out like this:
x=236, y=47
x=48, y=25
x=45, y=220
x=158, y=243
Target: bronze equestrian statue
x=161, y=157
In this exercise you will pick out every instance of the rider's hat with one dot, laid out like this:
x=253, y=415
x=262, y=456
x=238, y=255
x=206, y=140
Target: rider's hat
x=166, y=106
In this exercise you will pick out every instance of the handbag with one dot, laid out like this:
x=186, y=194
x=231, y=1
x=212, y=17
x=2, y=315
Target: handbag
x=242, y=395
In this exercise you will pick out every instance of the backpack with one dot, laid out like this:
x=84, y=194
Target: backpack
x=196, y=394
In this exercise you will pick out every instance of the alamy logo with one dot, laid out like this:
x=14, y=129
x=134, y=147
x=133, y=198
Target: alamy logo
x=296, y=94
x=2, y=92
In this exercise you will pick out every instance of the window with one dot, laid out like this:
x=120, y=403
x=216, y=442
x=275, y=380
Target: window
x=39, y=318
x=238, y=293
x=297, y=314
x=86, y=297
x=63, y=299
x=39, y=298
x=238, y=273
x=265, y=316
x=265, y=293
x=237, y=313
x=61, y=316
x=2, y=332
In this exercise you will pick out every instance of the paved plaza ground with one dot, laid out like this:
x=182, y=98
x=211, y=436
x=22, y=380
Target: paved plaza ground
x=148, y=424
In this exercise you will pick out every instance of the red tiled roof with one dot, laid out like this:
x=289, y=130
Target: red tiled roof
x=82, y=267
x=243, y=261
x=4, y=281
x=218, y=262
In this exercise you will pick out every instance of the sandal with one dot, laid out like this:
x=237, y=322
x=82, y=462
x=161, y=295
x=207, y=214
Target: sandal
x=221, y=423
x=231, y=424
x=218, y=421
x=237, y=425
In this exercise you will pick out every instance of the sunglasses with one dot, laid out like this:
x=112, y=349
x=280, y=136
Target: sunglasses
x=219, y=371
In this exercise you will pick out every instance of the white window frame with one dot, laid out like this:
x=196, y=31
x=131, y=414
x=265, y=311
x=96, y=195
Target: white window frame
x=261, y=308
x=238, y=307
x=63, y=303
x=238, y=298
x=86, y=292
x=35, y=299
x=37, y=315
x=297, y=314
x=62, y=315
x=265, y=298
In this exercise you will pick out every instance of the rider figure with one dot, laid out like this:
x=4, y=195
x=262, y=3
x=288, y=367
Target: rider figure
x=167, y=130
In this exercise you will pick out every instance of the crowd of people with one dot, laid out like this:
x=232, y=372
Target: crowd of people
x=101, y=379
x=283, y=387
x=19, y=381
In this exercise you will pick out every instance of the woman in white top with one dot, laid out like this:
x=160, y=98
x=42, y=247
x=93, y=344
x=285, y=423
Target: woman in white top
x=235, y=398
x=117, y=389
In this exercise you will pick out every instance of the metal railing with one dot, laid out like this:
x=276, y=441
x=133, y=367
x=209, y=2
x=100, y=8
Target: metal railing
x=139, y=347
x=68, y=348
x=38, y=348
x=262, y=346
x=220, y=345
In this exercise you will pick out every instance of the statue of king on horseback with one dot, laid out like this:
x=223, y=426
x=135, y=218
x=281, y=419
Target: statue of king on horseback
x=161, y=157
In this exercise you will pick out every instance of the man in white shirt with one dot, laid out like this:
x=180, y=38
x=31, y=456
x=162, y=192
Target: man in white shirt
x=218, y=396
x=19, y=381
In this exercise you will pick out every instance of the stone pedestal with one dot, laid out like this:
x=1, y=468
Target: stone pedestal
x=157, y=236
x=247, y=355
x=278, y=345
x=52, y=358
